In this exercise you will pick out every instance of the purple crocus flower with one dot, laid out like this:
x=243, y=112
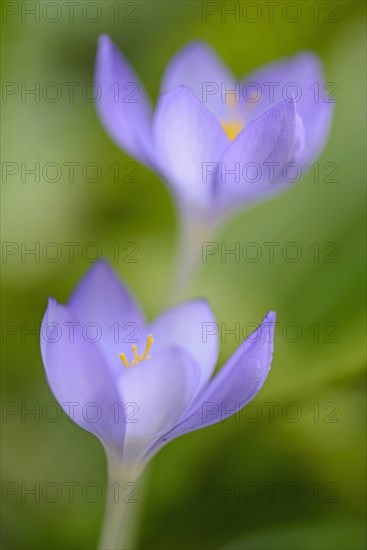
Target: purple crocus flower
x=136, y=385
x=220, y=143
x=136, y=397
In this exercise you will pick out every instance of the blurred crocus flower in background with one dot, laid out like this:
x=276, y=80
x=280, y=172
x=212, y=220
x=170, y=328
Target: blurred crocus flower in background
x=136, y=385
x=219, y=143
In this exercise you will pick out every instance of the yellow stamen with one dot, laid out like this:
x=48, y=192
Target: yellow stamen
x=234, y=125
x=137, y=357
x=123, y=359
x=147, y=347
x=232, y=129
x=135, y=351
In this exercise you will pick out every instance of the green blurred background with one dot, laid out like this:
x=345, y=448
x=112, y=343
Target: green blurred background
x=322, y=452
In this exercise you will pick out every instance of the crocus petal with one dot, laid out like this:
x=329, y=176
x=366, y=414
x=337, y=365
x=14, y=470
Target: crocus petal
x=101, y=302
x=80, y=378
x=302, y=76
x=198, y=67
x=187, y=135
x=190, y=326
x=258, y=160
x=158, y=391
x=121, y=103
x=234, y=386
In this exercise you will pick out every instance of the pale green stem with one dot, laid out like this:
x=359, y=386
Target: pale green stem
x=192, y=235
x=122, y=504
